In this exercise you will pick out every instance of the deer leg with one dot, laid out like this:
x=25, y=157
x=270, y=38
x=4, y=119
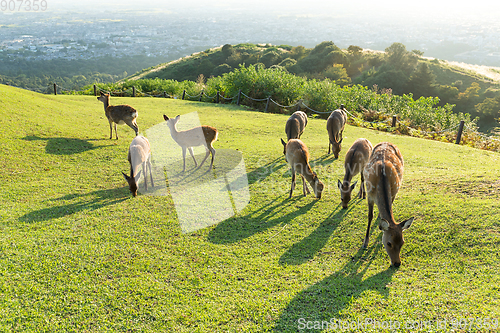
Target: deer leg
x=192, y=155
x=329, y=144
x=305, y=189
x=150, y=172
x=184, y=158
x=370, y=218
x=110, y=129
x=212, y=150
x=133, y=125
x=145, y=172
x=362, y=191
x=207, y=151
x=293, y=182
x=116, y=133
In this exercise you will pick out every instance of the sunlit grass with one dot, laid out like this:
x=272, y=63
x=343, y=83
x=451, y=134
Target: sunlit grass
x=78, y=253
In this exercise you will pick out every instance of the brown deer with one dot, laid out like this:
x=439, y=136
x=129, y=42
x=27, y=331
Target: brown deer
x=297, y=155
x=197, y=136
x=295, y=125
x=139, y=153
x=355, y=160
x=383, y=175
x=119, y=114
x=335, y=126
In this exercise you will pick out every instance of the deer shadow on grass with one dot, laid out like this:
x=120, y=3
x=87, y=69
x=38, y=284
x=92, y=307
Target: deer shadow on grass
x=325, y=301
x=307, y=248
x=65, y=146
x=74, y=203
x=267, y=216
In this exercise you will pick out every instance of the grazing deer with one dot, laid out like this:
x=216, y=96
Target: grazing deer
x=119, y=114
x=295, y=125
x=383, y=175
x=355, y=160
x=139, y=153
x=297, y=155
x=335, y=126
x=197, y=136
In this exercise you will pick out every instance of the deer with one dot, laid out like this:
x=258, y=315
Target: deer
x=197, y=136
x=119, y=114
x=356, y=159
x=383, y=175
x=139, y=153
x=335, y=127
x=295, y=125
x=297, y=155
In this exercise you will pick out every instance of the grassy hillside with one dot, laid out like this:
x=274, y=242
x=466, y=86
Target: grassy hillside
x=78, y=253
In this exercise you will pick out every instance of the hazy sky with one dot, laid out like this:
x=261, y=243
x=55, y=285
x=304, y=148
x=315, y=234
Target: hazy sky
x=306, y=7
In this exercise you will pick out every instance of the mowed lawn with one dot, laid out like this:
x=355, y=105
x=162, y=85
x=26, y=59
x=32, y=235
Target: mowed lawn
x=79, y=253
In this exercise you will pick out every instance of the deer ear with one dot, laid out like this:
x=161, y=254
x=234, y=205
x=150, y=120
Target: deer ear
x=341, y=140
x=165, y=117
x=339, y=184
x=178, y=116
x=354, y=185
x=384, y=225
x=283, y=143
x=125, y=176
x=406, y=224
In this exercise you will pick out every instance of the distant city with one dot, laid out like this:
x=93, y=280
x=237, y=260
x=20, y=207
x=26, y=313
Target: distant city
x=173, y=34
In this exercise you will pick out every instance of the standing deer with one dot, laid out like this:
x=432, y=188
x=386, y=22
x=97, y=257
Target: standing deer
x=197, y=136
x=295, y=125
x=383, y=175
x=335, y=126
x=355, y=160
x=297, y=155
x=139, y=153
x=119, y=114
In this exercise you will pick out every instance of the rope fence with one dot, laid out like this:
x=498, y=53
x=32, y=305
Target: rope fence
x=298, y=105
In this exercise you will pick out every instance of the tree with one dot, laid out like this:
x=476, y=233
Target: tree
x=489, y=108
x=401, y=59
x=338, y=74
x=421, y=82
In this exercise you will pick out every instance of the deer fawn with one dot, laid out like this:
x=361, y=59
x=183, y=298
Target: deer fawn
x=295, y=125
x=297, y=155
x=119, y=114
x=383, y=175
x=197, y=136
x=335, y=126
x=355, y=160
x=139, y=153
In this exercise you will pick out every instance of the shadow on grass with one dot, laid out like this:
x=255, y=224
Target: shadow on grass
x=235, y=229
x=65, y=146
x=307, y=248
x=264, y=171
x=325, y=301
x=78, y=202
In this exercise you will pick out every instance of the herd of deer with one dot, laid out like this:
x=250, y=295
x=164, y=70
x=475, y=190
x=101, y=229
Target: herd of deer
x=380, y=167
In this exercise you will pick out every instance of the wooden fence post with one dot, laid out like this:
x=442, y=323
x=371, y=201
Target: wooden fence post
x=201, y=95
x=183, y=94
x=299, y=104
x=394, y=119
x=95, y=90
x=133, y=91
x=164, y=94
x=217, y=97
x=55, y=88
x=267, y=104
x=239, y=98
x=460, y=130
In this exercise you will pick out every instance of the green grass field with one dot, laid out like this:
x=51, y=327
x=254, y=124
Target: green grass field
x=78, y=253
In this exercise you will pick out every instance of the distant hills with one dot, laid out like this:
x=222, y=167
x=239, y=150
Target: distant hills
x=472, y=89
